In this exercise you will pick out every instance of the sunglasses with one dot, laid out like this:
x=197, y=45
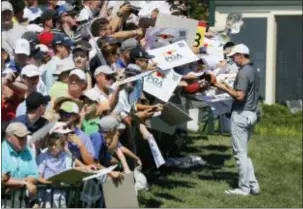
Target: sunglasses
x=110, y=77
x=21, y=138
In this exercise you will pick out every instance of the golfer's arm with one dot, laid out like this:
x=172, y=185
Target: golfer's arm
x=236, y=94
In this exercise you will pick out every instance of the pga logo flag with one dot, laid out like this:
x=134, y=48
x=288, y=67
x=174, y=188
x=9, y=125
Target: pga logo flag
x=173, y=55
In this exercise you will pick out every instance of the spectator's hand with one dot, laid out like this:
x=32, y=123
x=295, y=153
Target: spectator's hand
x=125, y=10
x=75, y=139
x=31, y=179
x=152, y=66
x=139, y=162
x=157, y=107
x=116, y=175
x=32, y=188
x=146, y=114
x=143, y=42
x=84, y=111
x=221, y=64
x=140, y=32
x=92, y=167
x=10, y=77
x=4, y=178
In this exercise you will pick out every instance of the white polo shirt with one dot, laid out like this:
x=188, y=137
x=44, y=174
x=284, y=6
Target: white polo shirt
x=85, y=14
x=102, y=97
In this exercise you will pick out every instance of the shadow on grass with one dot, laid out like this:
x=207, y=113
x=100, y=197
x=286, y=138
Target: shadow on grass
x=149, y=203
x=216, y=160
x=172, y=184
x=167, y=196
x=230, y=177
x=220, y=148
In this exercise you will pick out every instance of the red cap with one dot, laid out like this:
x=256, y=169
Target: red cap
x=46, y=38
x=193, y=88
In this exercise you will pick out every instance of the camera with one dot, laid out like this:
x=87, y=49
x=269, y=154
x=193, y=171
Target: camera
x=133, y=9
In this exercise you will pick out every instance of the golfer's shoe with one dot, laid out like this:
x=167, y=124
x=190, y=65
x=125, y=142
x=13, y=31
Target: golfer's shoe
x=236, y=192
x=255, y=191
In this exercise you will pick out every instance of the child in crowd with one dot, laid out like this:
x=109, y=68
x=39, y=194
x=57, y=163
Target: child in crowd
x=54, y=160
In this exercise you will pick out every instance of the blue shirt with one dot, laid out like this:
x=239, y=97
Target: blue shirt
x=20, y=164
x=31, y=127
x=13, y=66
x=85, y=140
x=49, y=165
x=120, y=64
x=99, y=144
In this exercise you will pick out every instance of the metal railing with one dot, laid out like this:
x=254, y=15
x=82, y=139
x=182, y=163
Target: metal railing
x=18, y=198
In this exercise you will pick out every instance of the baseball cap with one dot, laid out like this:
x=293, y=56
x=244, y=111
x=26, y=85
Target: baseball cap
x=35, y=99
x=132, y=70
x=18, y=129
x=60, y=38
x=30, y=71
x=110, y=123
x=83, y=45
x=47, y=15
x=22, y=46
x=66, y=64
x=60, y=128
x=31, y=36
x=104, y=69
x=130, y=44
x=139, y=53
x=46, y=38
x=79, y=73
x=91, y=95
x=70, y=107
x=240, y=48
x=5, y=5
x=65, y=8
x=43, y=48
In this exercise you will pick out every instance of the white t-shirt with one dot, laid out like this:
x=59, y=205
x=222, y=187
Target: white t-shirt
x=31, y=13
x=85, y=14
x=123, y=103
x=102, y=97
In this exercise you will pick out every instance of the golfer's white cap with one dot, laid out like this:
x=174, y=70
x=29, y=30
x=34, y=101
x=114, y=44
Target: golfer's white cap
x=240, y=48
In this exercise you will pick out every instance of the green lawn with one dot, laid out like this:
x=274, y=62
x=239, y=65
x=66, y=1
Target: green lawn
x=278, y=167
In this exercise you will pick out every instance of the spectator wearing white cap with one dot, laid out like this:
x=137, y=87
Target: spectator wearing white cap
x=21, y=53
x=10, y=31
x=77, y=83
x=31, y=77
x=18, y=159
x=105, y=77
x=60, y=87
x=245, y=93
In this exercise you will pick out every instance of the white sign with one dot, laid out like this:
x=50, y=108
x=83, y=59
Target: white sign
x=133, y=78
x=173, y=55
x=161, y=85
x=160, y=37
x=101, y=172
x=155, y=151
x=170, y=21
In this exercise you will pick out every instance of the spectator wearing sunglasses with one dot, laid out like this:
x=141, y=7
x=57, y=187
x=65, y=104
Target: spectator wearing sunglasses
x=79, y=143
x=105, y=77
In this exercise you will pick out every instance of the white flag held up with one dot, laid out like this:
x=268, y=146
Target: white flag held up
x=173, y=55
x=162, y=87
